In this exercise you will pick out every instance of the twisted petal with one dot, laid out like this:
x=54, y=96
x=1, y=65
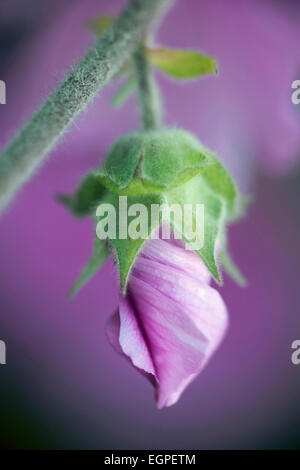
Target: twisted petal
x=170, y=321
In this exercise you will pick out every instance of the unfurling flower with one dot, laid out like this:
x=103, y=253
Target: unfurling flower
x=171, y=320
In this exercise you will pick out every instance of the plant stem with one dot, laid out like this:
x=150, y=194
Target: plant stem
x=149, y=96
x=27, y=150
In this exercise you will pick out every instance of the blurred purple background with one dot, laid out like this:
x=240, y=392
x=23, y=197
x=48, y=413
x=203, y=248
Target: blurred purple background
x=63, y=386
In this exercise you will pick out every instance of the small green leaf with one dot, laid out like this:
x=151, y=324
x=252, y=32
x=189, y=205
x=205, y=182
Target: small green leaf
x=97, y=259
x=195, y=192
x=152, y=162
x=182, y=64
x=101, y=24
x=87, y=196
x=124, y=93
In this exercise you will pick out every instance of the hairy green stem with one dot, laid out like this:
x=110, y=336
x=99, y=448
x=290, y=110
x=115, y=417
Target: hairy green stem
x=149, y=96
x=27, y=150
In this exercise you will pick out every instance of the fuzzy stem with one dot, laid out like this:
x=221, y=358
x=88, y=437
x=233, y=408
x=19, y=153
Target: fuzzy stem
x=27, y=150
x=149, y=97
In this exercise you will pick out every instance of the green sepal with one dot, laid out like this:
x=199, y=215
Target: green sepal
x=85, y=200
x=182, y=64
x=98, y=258
x=126, y=249
x=197, y=192
x=152, y=162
